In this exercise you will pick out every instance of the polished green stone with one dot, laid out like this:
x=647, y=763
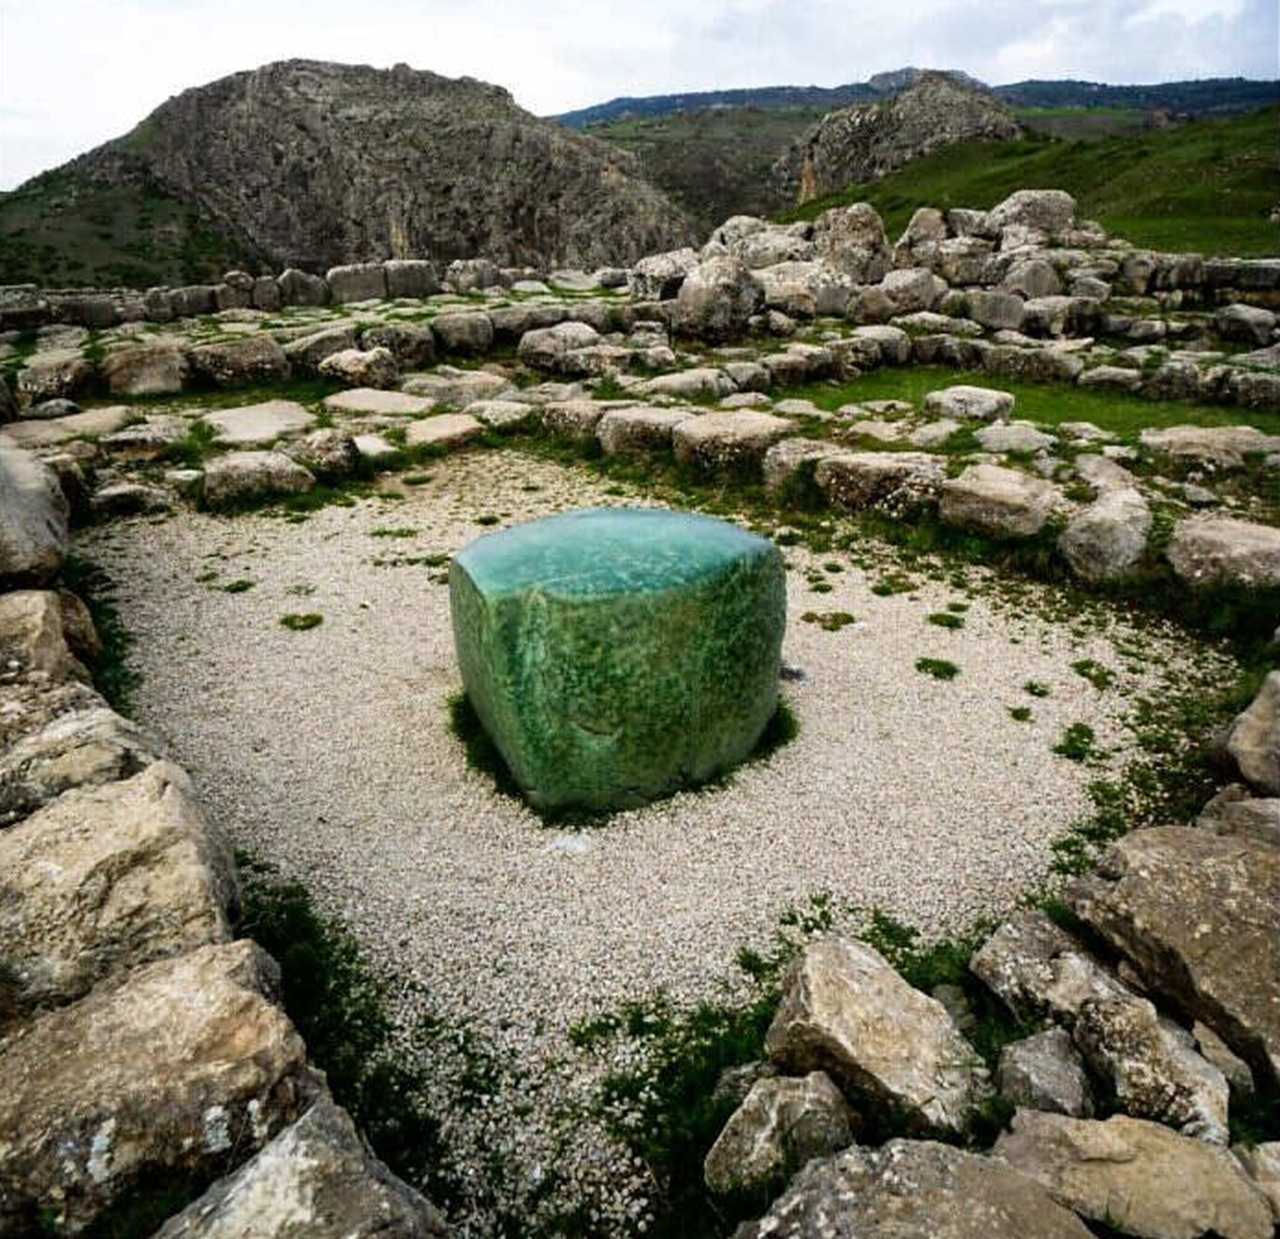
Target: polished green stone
x=615, y=655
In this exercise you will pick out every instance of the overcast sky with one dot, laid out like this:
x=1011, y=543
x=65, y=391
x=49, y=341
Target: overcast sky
x=74, y=73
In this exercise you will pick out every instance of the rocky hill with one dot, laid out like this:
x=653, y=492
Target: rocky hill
x=865, y=142
x=311, y=164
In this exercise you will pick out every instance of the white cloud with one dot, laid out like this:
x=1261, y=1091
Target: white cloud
x=74, y=73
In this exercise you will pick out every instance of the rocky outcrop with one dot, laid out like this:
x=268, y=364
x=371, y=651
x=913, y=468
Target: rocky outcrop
x=313, y=165
x=33, y=520
x=867, y=141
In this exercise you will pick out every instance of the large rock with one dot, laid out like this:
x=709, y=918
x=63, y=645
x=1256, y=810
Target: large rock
x=157, y=369
x=1220, y=550
x=463, y=334
x=985, y=404
x=550, y=348
x=897, y=482
x=449, y=386
x=845, y=1011
x=913, y=1190
x=659, y=276
x=359, y=281
x=316, y=1180
x=1224, y=447
x=443, y=431
x=638, y=429
x=82, y=748
x=616, y=656
x=1001, y=311
x=185, y=1066
x=1152, y=1068
x=375, y=367
x=57, y=374
x=411, y=278
x=727, y=441
x=781, y=1125
x=852, y=241
x=33, y=520
x=913, y=289
x=1246, y=323
x=307, y=352
x=34, y=636
x=242, y=477
x=716, y=299
x=998, y=502
x=1051, y=212
x=1198, y=915
x=1255, y=738
x=1045, y=1072
x=1014, y=437
x=1233, y=811
x=106, y=878
x=1136, y=1177
x=413, y=345
x=1106, y=541
x=241, y=362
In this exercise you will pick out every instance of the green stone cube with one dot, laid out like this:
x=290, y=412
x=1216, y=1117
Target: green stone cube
x=616, y=655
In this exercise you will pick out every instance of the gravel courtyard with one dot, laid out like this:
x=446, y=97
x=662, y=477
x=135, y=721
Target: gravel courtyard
x=328, y=753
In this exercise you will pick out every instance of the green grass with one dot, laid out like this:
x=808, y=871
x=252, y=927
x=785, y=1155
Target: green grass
x=1035, y=689
x=112, y=675
x=1078, y=743
x=1206, y=186
x=1096, y=673
x=1051, y=404
x=1021, y=714
x=945, y=619
x=829, y=621
x=301, y=623
x=938, y=668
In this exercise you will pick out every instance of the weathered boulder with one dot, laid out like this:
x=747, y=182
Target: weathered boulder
x=329, y=454
x=448, y=386
x=1032, y=278
x=104, y=879
x=503, y=414
x=266, y=294
x=1222, y=446
x=512, y=322
x=360, y=281
x=1038, y=969
x=412, y=344
x=1001, y=311
x=689, y=384
x=782, y=1125
x=1220, y=550
x=1254, y=741
x=257, y=425
x=240, y=362
x=901, y=482
x=847, y=1012
x=1048, y=211
x=316, y=1180
x=998, y=502
x=716, y=299
x=375, y=367
x=1045, y=1072
x=1248, y=324
x=549, y=348
x=307, y=352
x=240, y=477
x=727, y=441
x=82, y=748
x=1198, y=916
x=193, y=300
x=463, y=334
x=909, y=1189
x=573, y=419
x=34, y=636
x=469, y=275
x=911, y=289
x=33, y=520
x=1137, y=1177
x=1152, y=1068
x=186, y=1066
x=980, y=403
x=300, y=288
x=1014, y=437
x=1033, y=365
x=58, y=373
x=1262, y=1164
x=411, y=278
x=153, y=369
x=659, y=276
x=1107, y=540
x=1233, y=811
x=615, y=656
x=789, y=459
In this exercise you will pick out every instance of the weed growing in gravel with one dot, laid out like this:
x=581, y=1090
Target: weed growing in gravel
x=1021, y=713
x=240, y=586
x=112, y=675
x=946, y=619
x=939, y=668
x=301, y=623
x=1078, y=743
x=416, y=479
x=392, y=532
x=1035, y=689
x=1099, y=676
x=894, y=583
x=829, y=621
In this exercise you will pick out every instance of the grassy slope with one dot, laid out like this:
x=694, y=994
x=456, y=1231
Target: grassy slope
x=63, y=229
x=1205, y=186
x=716, y=162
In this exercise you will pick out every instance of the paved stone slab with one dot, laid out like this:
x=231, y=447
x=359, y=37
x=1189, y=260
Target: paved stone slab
x=257, y=425
x=371, y=400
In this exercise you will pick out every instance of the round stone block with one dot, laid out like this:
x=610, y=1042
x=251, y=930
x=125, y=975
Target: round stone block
x=615, y=655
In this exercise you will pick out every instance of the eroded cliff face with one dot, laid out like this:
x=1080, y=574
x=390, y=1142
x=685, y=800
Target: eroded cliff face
x=867, y=141
x=313, y=164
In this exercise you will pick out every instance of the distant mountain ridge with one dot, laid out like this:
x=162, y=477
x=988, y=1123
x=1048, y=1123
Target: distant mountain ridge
x=1199, y=97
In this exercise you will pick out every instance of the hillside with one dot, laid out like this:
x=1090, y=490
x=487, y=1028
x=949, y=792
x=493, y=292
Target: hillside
x=1206, y=186
x=1208, y=95
x=312, y=164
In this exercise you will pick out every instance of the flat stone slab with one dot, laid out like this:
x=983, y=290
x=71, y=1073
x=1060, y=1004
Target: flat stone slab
x=257, y=425
x=615, y=655
x=33, y=434
x=372, y=400
x=443, y=430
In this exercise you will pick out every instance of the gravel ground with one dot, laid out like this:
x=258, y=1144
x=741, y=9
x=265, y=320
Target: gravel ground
x=327, y=752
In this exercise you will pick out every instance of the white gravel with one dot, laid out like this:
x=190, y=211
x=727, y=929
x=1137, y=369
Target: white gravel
x=328, y=753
